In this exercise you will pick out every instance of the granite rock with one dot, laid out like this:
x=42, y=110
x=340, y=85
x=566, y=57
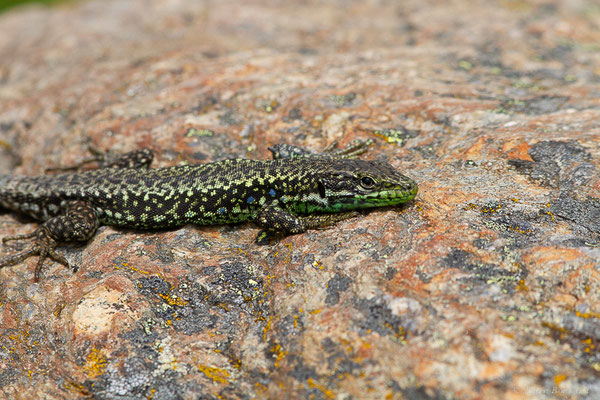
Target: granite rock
x=486, y=286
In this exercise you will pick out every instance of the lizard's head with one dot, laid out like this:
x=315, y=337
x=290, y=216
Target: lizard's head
x=353, y=184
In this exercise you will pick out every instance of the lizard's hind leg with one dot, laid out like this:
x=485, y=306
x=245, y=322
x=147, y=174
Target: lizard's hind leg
x=78, y=224
x=140, y=158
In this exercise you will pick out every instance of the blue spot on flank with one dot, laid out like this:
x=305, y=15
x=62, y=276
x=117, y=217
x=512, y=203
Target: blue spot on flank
x=221, y=210
x=272, y=192
x=250, y=200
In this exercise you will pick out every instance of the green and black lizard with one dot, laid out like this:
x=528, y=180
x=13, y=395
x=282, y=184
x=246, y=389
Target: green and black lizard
x=296, y=191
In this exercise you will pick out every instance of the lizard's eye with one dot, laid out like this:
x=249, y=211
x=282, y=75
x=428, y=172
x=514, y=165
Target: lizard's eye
x=367, y=182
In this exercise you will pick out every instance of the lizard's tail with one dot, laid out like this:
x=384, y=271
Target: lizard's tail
x=3, y=188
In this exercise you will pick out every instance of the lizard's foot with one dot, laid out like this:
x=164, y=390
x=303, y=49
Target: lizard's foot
x=78, y=224
x=274, y=219
x=353, y=150
x=323, y=221
x=266, y=237
x=43, y=247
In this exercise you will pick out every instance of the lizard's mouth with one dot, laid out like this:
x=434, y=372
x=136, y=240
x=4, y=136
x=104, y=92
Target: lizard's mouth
x=393, y=196
x=388, y=197
x=383, y=198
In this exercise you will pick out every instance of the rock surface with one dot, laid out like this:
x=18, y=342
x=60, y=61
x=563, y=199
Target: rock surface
x=486, y=286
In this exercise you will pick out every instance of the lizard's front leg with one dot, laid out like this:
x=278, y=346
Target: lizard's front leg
x=276, y=219
x=353, y=150
x=77, y=224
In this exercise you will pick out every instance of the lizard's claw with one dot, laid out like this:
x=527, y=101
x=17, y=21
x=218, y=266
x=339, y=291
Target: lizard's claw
x=43, y=247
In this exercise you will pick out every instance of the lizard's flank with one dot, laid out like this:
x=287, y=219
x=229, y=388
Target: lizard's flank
x=295, y=191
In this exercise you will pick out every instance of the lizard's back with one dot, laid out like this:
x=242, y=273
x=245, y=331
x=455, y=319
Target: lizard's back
x=221, y=192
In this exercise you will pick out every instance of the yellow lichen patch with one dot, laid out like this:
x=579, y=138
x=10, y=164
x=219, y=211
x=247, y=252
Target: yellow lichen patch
x=96, y=363
x=318, y=264
x=589, y=345
x=217, y=375
x=562, y=331
x=270, y=107
x=551, y=215
x=288, y=258
x=236, y=363
x=239, y=250
x=521, y=286
x=517, y=229
x=388, y=139
x=399, y=333
x=487, y=209
x=172, y=300
x=266, y=328
x=132, y=268
x=279, y=353
x=313, y=385
x=558, y=379
x=587, y=314
x=260, y=387
x=471, y=206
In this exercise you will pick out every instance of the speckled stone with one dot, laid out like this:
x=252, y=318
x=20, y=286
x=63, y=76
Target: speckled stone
x=486, y=286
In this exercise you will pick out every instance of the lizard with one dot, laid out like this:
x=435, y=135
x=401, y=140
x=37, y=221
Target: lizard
x=295, y=191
